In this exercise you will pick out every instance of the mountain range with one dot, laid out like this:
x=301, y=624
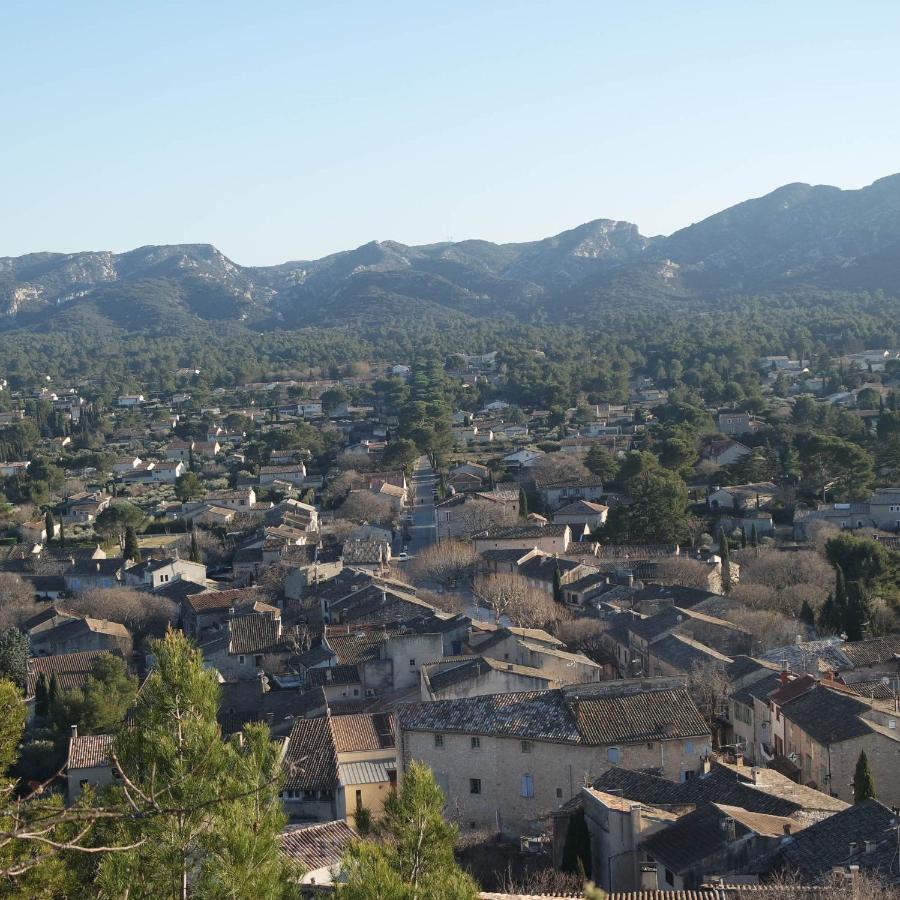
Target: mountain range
x=798, y=236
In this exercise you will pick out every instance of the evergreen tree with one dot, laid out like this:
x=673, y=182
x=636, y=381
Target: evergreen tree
x=557, y=584
x=834, y=611
x=131, y=549
x=52, y=691
x=523, y=503
x=14, y=650
x=754, y=538
x=41, y=692
x=414, y=858
x=49, y=526
x=743, y=537
x=195, y=549
x=217, y=834
x=725, y=556
x=863, y=781
x=62, y=533
x=807, y=616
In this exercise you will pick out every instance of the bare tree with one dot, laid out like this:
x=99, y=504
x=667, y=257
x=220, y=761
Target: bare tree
x=143, y=614
x=709, y=688
x=447, y=563
x=782, y=581
x=364, y=506
x=585, y=636
x=683, y=571
x=768, y=627
x=17, y=601
x=559, y=467
x=511, y=596
x=480, y=515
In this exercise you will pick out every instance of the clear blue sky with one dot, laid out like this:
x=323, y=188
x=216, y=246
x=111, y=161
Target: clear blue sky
x=287, y=130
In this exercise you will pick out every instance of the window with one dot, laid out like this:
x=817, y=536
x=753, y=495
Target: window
x=474, y=785
x=559, y=793
x=258, y=659
x=358, y=801
x=689, y=747
x=438, y=740
x=613, y=755
x=527, y=786
x=241, y=660
x=412, y=663
x=476, y=743
x=526, y=746
x=670, y=877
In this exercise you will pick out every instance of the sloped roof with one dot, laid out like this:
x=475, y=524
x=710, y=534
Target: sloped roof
x=361, y=732
x=644, y=716
x=90, y=751
x=310, y=762
x=317, y=846
x=827, y=716
x=817, y=849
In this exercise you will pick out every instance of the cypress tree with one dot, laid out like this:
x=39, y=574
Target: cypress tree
x=725, y=555
x=743, y=537
x=41, y=696
x=131, y=550
x=523, y=503
x=754, y=537
x=195, y=549
x=62, y=533
x=807, y=616
x=577, y=848
x=49, y=525
x=863, y=780
x=557, y=584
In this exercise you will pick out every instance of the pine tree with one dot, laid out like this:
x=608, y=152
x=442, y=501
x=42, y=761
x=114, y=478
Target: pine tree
x=415, y=858
x=218, y=833
x=14, y=651
x=523, y=503
x=49, y=526
x=131, y=549
x=863, y=780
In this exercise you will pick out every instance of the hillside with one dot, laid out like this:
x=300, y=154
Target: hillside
x=798, y=236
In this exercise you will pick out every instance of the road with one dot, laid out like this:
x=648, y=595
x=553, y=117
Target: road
x=422, y=531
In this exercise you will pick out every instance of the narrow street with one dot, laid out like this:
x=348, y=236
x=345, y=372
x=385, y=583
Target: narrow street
x=422, y=530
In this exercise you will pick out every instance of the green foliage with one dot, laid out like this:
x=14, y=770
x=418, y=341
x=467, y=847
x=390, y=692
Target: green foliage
x=601, y=463
x=100, y=705
x=658, y=511
x=130, y=547
x=413, y=858
x=188, y=487
x=12, y=723
x=116, y=519
x=221, y=799
x=863, y=780
x=14, y=650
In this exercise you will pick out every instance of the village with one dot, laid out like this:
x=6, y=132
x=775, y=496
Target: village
x=649, y=635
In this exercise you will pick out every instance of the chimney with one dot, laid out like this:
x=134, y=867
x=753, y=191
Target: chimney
x=870, y=846
x=706, y=765
x=755, y=773
x=637, y=825
x=74, y=731
x=784, y=676
x=787, y=829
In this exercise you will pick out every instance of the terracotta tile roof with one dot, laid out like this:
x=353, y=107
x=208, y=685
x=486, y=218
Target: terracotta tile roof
x=71, y=669
x=89, y=751
x=358, y=646
x=365, y=731
x=222, y=601
x=317, y=846
x=254, y=633
x=310, y=762
x=827, y=716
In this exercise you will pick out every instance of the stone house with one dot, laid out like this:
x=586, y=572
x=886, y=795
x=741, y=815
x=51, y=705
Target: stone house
x=548, y=538
x=505, y=761
x=336, y=765
x=88, y=764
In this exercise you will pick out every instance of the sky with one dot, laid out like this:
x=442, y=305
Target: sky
x=288, y=130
